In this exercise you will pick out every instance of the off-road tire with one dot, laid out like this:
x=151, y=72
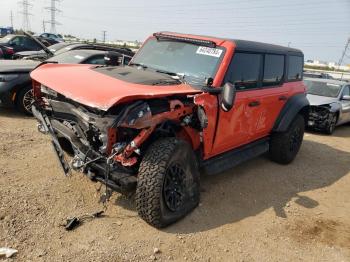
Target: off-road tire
x=160, y=157
x=20, y=100
x=285, y=146
x=329, y=130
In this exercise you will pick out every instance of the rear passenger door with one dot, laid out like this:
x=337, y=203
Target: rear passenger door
x=274, y=93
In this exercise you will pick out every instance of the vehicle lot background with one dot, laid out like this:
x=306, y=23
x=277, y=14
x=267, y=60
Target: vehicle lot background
x=259, y=211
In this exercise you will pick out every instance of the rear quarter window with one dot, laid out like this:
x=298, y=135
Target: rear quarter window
x=295, y=67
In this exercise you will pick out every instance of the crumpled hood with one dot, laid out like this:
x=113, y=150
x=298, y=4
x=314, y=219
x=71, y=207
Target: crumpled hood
x=17, y=66
x=320, y=100
x=87, y=85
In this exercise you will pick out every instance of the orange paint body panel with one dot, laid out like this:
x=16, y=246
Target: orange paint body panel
x=97, y=90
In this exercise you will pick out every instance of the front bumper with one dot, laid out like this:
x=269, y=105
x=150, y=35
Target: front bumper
x=86, y=160
x=319, y=117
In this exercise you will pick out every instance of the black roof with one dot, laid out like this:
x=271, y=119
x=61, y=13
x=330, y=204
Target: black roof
x=251, y=46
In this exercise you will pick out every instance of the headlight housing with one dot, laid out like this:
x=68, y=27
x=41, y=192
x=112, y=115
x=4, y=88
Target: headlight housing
x=7, y=77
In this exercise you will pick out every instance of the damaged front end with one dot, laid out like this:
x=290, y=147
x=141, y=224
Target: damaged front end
x=320, y=117
x=108, y=145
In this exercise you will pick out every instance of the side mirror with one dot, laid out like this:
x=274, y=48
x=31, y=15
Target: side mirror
x=347, y=98
x=228, y=96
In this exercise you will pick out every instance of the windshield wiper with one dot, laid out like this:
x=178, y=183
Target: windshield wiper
x=179, y=76
x=138, y=64
x=166, y=72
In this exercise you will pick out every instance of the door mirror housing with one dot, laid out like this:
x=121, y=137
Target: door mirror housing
x=346, y=97
x=228, y=97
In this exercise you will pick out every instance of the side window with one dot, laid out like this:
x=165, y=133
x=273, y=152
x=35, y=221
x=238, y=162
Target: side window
x=244, y=71
x=346, y=91
x=273, y=70
x=16, y=41
x=295, y=67
x=127, y=60
x=31, y=44
x=96, y=60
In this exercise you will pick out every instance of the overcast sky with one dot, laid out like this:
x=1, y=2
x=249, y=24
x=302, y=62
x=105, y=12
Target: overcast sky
x=319, y=27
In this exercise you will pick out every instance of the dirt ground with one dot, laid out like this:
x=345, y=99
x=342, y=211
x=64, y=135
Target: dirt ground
x=259, y=211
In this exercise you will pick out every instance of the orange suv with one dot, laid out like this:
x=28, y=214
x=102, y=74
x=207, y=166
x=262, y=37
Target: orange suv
x=185, y=105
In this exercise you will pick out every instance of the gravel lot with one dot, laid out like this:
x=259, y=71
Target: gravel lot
x=259, y=211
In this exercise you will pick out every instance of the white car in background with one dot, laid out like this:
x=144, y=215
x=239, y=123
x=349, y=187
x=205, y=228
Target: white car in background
x=329, y=103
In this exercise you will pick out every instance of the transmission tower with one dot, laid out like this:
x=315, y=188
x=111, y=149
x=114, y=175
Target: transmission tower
x=347, y=47
x=25, y=5
x=11, y=18
x=53, y=11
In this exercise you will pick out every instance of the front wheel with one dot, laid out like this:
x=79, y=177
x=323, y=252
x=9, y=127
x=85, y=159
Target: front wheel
x=285, y=146
x=25, y=99
x=331, y=124
x=168, y=182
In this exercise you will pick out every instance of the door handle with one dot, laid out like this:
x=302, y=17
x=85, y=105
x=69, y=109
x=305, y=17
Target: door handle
x=282, y=98
x=254, y=103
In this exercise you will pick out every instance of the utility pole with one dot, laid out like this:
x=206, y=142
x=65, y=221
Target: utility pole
x=104, y=36
x=347, y=47
x=44, y=28
x=11, y=18
x=53, y=11
x=25, y=5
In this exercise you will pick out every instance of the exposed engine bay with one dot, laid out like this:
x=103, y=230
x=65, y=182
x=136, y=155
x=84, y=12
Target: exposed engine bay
x=320, y=117
x=108, y=146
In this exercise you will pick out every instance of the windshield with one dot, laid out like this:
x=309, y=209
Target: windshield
x=54, y=48
x=71, y=57
x=5, y=39
x=186, y=59
x=322, y=88
x=67, y=48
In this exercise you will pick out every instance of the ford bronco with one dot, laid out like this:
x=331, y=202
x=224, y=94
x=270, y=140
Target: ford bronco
x=185, y=105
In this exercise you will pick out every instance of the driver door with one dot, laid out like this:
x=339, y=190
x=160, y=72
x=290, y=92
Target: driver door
x=238, y=126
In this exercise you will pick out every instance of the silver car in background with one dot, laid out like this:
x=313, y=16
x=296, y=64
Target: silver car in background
x=329, y=103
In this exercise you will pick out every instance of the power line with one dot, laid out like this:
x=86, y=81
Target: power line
x=215, y=6
x=25, y=5
x=53, y=11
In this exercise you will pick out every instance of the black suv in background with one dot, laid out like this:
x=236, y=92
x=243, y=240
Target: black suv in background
x=16, y=84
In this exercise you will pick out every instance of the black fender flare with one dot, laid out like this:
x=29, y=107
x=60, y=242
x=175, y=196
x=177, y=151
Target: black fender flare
x=293, y=106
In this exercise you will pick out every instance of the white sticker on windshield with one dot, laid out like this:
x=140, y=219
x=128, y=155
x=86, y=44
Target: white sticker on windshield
x=202, y=50
x=79, y=57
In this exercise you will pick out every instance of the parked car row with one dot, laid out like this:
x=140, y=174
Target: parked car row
x=183, y=104
x=12, y=44
x=6, y=31
x=15, y=81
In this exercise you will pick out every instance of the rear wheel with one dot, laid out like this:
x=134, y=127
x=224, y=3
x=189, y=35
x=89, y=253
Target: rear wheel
x=285, y=146
x=24, y=100
x=168, y=182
